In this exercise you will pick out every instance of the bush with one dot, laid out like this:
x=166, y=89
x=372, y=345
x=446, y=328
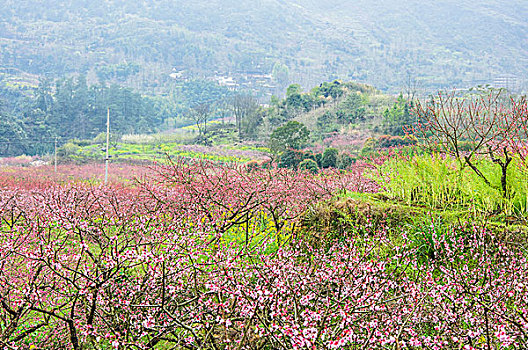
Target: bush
x=310, y=165
x=318, y=159
x=387, y=141
x=203, y=140
x=290, y=159
x=252, y=165
x=344, y=160
x=368, y=147
x=68, y=149
x=81, y=143
x=329, y=159
x=267, y=164
x=309, y=155
x=101, y=139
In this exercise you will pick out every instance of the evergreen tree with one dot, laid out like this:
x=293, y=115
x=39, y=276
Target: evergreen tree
x=398, y=117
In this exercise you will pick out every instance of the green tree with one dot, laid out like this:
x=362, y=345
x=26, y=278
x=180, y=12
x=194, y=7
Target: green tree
x=281, y=75
x=333, y=90
x=327, y=122
x=294, y=100
x=290, y=158
x=247, y=115
x=297, y=101
x=13, y=139
x=44, y=96
x=293, y=89
x=292, y=135
x=351, y=110
x=329, y=159
x=251, y=124
x=200, y=114
x=395, y=119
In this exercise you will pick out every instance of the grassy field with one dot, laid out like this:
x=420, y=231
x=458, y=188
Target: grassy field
x=150, y=151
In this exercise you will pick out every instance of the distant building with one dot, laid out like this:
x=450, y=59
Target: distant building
x=177, y=74
x=226, y=81
x=509, y=82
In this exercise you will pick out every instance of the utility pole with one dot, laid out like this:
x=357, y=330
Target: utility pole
x=55, y=154
x=107, y=143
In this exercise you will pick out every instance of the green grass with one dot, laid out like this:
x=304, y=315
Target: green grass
x=442, y=183
x=259, y=229
x=147, y=152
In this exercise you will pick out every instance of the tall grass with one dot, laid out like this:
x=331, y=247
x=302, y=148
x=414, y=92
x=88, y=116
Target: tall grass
x=441, y=182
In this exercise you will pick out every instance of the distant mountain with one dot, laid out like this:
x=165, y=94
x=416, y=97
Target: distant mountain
x=152, y=45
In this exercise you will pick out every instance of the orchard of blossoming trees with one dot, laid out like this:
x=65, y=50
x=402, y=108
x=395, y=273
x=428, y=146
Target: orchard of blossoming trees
x=197, y=255
x=202, y=256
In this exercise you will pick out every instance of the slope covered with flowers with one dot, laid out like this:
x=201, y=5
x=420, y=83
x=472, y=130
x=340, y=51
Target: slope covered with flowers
x=204, y=256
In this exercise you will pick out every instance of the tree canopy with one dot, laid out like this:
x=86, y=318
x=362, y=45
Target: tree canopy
x=292, y=135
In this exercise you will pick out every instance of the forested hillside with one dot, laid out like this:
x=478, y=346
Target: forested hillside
x=265, y=45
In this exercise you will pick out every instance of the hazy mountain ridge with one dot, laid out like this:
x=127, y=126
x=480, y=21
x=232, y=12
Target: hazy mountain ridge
x=383, y=43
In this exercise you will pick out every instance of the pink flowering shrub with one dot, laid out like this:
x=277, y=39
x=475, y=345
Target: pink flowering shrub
x=218, y=198
x=17, y=161
x=352, y=141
